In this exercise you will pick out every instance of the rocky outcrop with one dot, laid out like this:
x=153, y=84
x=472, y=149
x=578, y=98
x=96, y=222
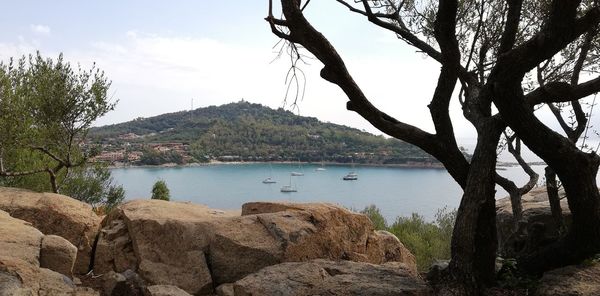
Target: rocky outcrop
x=20, y=270
x=324, y=277
x=58, y=254
x=196, y=248
x=537, y=226
x=582, y=280
x=164, y=290
x=56, y=215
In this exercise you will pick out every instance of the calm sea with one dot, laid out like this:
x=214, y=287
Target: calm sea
x=396, y=191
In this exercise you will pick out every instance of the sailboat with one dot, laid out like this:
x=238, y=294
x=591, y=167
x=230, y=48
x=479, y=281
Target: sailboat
x=269, y=180
x=321, y=168
x=289, y=188
x=299, y=172
x=351, y=176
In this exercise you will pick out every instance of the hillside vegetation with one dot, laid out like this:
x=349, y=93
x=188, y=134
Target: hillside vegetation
x=252, y=132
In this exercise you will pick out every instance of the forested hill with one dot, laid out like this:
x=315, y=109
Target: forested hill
x=252, y=132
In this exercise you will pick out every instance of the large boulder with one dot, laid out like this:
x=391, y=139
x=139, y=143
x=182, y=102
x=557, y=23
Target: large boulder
x=581, y=280
x=196, y=248
x=58, y=254
x=20, y=271
x=57, y=215
x=537, y=226
x=335, y=278
x=165, y=242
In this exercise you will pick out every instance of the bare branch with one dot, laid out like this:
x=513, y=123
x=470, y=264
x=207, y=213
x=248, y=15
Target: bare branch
x=511, y=26
x=559, y=92
x=49, y=153
x=336, y=72
x=563, y=28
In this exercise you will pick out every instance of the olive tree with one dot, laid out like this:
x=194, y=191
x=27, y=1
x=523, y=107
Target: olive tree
x=491, y=50
x=46, y=110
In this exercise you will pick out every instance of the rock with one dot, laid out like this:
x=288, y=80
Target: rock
x=240, y=246
x=58, y=254
x=85, y=291
x=437, y=270
x=172, y=243
x=10, y=284
x=110, y=281
x=165, y=290
x=383, y=246
x=55, y=214
x=20, y=271
x=166, y=240
x=580, y=280
x=324, y=277
x=128, y=283
x=225, y=290
x=114, y=249
x=536, y=228
x=18, y=239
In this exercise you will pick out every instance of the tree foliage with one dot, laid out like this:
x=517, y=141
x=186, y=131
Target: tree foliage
x=428, y=241
x=94, y=185
x=161, y=191
x=46, y=110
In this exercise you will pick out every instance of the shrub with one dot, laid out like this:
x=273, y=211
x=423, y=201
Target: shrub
x=428, y=241
x=93, y=185
x=375, y=216
x=161, y=191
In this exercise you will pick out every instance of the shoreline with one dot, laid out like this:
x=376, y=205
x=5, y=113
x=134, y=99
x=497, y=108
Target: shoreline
x=437, y=166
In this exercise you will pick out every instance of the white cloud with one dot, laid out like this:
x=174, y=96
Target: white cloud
x=40, y=29
x=154, y=74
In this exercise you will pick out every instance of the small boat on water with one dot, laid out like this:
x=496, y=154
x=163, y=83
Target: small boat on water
x=321, y=168
x=351, y=176
x=300, y=171
x=269, y=180
x=289, y=188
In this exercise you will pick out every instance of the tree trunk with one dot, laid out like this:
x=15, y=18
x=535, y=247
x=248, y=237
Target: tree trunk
x=52, y=175
x=577, y=171
x=553, y=198
x=583, y=238
x=474, y=238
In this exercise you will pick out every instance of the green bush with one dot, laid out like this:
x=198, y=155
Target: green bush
x=428, y=241
x=375, y=216
x=161, y=191
x=93, y=185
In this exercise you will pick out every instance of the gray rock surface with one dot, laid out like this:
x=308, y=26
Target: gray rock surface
x=536, y=227
x=165, y=290
x=20, y=271
x=174, y=243
x=324, y=277
x=581, y=280
x=57, y=215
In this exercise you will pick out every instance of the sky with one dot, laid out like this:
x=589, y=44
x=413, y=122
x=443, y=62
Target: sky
x=162, y=55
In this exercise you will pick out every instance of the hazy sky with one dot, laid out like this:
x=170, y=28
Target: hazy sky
x=161, y=54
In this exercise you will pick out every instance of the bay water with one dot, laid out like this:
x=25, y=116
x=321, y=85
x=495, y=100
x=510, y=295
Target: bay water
x=395, y=191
